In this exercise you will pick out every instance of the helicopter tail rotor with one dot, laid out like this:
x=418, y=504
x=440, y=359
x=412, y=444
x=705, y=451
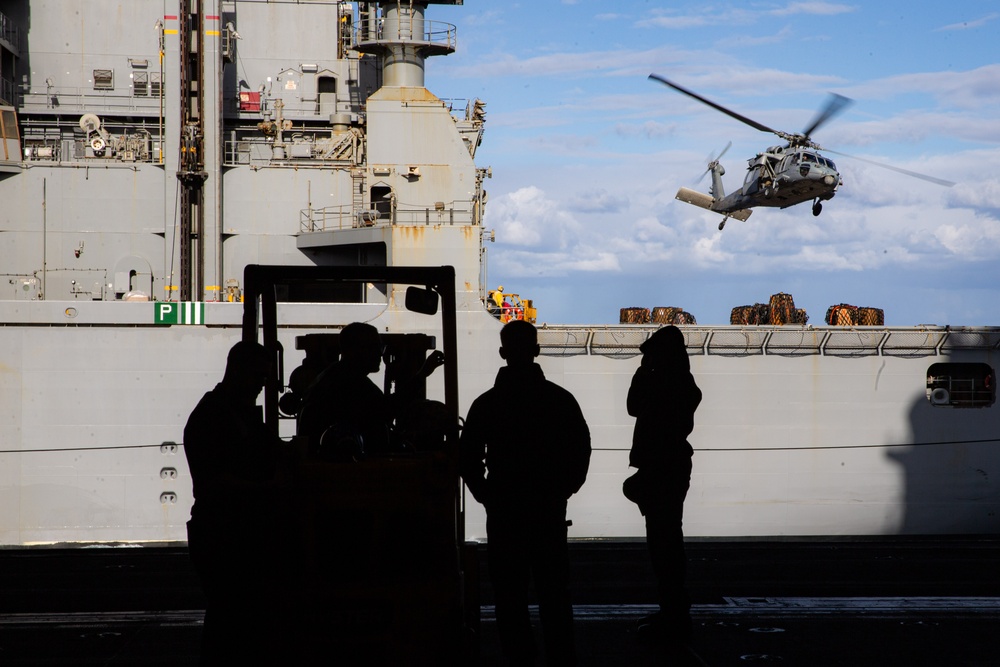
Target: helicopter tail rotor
x=713, y=162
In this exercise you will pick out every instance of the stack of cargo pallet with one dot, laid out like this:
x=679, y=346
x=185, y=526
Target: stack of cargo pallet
x=672, y=315
x=634, y=315
x=759, y=313
x=846, y=315
x=659, y=315
x=780, y=309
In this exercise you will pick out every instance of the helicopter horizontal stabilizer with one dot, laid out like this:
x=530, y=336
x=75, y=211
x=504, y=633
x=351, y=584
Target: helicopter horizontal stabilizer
x=689, y=196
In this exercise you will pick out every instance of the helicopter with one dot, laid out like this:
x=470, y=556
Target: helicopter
x=780, y=176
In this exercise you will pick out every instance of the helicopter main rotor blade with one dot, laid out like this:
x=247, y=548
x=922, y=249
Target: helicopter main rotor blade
x=718, y=107
x=914, y=174
x=834, y=105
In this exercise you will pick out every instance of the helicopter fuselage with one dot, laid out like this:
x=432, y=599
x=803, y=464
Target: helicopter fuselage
x=779, y=178
x=782, y=177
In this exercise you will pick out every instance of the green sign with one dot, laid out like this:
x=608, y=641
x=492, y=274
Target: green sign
x=179, y=312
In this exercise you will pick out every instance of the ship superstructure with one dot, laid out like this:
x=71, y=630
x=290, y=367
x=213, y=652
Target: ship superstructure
x=153, y=149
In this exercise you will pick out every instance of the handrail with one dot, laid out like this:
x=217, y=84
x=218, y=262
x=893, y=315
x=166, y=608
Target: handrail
x=84, y=99
x=737, y=340
x=340, y=217
x=436, y=33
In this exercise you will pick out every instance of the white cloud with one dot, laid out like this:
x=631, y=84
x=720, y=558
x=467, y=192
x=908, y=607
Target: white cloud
x=563, y=63
x=675, y=22
x=598, y=201
x=912, y=127
x=815, y=8
x=489, y=17
x=597, y=261
x=983, y=196
x=967, y=89
x=552, y=264
x=968, y=25
x=730, y=16
x=527, y=217
x=708, y=253
x=651, y=229
x=744, y=41
x=651, y=129
x=971, y=237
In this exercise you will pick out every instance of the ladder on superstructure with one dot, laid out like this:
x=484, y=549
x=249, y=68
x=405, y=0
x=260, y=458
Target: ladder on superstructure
x=358, y=206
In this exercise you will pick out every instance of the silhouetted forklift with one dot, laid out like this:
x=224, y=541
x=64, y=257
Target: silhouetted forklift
x=384, y=580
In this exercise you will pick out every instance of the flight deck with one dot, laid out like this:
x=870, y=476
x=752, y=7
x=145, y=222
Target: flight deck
x=805, y=603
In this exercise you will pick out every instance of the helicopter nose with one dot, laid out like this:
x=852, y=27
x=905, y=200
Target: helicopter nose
x=829, y=179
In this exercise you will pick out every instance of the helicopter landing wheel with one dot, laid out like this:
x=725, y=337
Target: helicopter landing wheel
x=817, y=208
x=722, y=224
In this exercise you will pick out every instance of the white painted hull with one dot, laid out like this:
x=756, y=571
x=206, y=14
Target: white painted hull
x=784, y=445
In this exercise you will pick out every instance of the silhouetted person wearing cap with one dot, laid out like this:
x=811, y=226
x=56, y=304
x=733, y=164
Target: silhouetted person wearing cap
x=524, y=476
x=234, y=534
x=663, y=399
x=344, y=403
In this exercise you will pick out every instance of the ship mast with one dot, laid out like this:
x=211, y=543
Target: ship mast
x=401, y=38
x=191, y=169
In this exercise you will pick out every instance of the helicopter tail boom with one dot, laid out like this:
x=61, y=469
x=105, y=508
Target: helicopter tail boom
x=702, y=200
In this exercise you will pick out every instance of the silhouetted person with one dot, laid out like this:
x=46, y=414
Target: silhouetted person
x=234, y=534
x=523, y=470
x=663, y=399
x=344, y=407
x=300, y=380
x=425, y=425
x=408, y=373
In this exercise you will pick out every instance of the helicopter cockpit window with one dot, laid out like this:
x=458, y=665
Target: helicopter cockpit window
x=808, y=157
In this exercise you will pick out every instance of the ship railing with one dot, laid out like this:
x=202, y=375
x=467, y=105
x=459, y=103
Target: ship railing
x=330, y=218
x=71, y=99
x=436, y=34
x=788, y=341
x=456, y=106
x=295, y=109
x=336, y=152
x=326, y=219
x=235, y=153
x=459, y=213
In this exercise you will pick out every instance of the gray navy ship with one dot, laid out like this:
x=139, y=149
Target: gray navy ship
x=152, y=149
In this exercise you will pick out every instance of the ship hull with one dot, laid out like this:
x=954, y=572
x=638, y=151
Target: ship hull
x=143, y=170
x=786, y=445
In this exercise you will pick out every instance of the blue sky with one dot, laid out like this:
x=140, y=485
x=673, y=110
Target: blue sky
x=587, y=153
